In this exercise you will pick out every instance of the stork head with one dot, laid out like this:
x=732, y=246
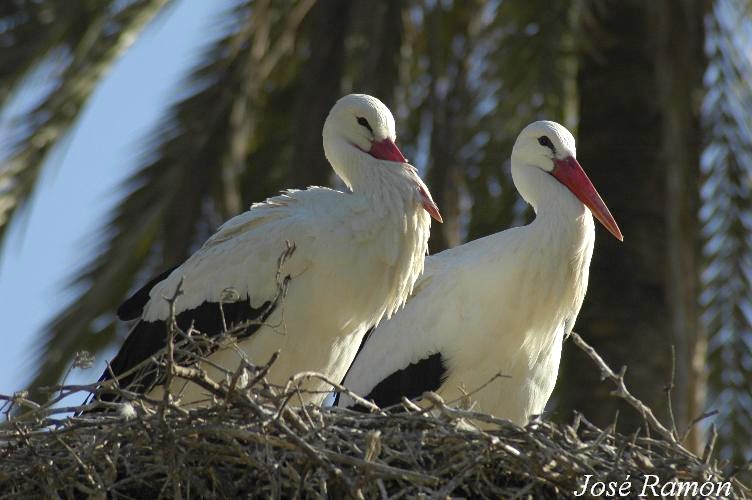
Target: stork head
x=550, y=147
x=359, y=134
x=366, y=123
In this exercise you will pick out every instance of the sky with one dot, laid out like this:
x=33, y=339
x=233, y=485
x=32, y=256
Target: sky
x=47, y=246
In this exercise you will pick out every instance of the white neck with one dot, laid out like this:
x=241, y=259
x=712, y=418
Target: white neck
x=386, y=184
x=562, y=221
x=548, y=260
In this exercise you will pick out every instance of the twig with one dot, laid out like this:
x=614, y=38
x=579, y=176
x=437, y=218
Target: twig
x=622, y=392
x=304, y=376
x=172, y=327
x=669, y=388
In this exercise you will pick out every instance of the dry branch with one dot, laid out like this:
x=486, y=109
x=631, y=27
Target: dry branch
x=621, y=390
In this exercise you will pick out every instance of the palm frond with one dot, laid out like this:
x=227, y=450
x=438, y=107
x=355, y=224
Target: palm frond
x=32, y=31
x=103, y=35
x=191, y=178
x=727, y=224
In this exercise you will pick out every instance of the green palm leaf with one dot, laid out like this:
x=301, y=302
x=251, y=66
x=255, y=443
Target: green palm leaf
x=84, y=44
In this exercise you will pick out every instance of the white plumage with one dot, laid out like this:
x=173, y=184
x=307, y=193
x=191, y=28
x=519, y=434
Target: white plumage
x=357, y=255
x=501, y=304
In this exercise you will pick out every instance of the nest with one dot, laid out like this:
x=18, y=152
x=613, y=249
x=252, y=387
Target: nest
x=256, y=442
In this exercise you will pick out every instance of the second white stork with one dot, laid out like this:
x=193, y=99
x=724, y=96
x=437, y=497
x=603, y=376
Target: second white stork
x=357, y=255
x=497, y=305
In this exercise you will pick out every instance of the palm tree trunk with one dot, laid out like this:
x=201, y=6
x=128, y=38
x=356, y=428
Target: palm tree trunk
x=639, y=138
x=447, y=99
x=381, y=23
x=319, y=91
x=681, y=63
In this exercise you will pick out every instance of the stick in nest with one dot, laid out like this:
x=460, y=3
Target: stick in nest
x=621, y=390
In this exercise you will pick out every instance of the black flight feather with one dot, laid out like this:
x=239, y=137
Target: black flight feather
x=133, y=307
x=411, y=382
x=149, y=338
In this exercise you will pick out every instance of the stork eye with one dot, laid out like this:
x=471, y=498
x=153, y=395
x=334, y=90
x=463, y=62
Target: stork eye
x=545, y=141
x=364, y=122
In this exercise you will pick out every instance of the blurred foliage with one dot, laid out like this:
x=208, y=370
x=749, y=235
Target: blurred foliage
x=250, y=125
x=81, y=42
x=461, y=77
x=727, y=223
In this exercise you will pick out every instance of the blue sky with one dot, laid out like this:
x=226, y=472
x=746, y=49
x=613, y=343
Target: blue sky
x=80, y=181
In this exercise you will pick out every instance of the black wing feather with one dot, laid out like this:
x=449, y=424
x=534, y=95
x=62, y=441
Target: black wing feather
x=148, y=338
x=133, y=307
x=428, y=374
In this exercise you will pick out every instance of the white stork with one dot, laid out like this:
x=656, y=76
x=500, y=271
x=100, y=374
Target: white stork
x=357, y=256
x=498, y=305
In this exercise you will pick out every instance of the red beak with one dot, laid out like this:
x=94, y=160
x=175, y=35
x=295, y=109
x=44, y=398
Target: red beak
x=569, y=172
x=386, y=150
x=428, y=203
